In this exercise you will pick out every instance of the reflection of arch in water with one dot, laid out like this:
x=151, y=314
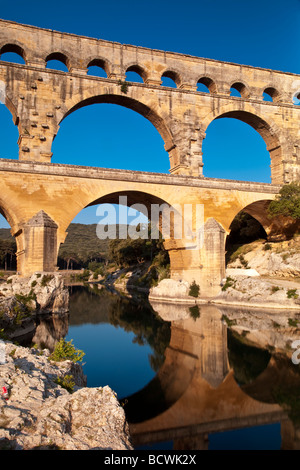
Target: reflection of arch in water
x=209, y=401
x=196, y=346
x=167, y=386
x=247, y=362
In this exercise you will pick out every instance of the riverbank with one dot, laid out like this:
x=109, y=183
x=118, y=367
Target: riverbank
x=39, y=413
x=22, y=299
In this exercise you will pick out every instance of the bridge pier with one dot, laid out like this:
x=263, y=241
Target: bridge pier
x=202, y=261
x=38, y=240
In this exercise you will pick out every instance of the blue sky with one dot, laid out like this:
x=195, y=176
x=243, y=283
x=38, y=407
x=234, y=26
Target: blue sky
x=261, y=33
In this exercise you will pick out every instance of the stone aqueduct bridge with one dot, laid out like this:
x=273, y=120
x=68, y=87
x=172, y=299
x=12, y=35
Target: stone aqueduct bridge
x=40, y=199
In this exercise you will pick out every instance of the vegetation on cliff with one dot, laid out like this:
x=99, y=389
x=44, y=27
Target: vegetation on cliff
x=287, y=203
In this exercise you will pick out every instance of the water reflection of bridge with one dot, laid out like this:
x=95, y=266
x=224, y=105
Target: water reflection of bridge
x=195, y=392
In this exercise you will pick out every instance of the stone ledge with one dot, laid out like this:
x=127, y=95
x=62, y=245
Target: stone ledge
x=59, y=169
x=173, y=54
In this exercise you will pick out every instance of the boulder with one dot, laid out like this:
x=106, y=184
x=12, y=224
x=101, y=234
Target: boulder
x=41, y=414
x=170, y=289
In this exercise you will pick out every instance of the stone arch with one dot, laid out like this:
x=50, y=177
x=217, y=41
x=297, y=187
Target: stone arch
x=60, y=56
x=209, y=83
x=264, y=126
x=174, y=75
x=259, y=210
x=273, y=93
x=278, y=227
x=13, y=47
x=166, y=218
x=241, y=87
x=159, y=122
x=16, y=227
x=149, y=204
x=100, y=62
x=137, y=69
x=8, y=213
x=10, y=105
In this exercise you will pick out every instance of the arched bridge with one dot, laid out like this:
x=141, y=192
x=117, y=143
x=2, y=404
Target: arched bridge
x=40, y=199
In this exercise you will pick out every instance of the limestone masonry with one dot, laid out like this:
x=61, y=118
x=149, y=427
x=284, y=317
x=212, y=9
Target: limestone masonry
x=40, y=199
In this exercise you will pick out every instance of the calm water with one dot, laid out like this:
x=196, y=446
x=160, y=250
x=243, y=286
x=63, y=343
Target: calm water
x=184, y=380
x=123, y=341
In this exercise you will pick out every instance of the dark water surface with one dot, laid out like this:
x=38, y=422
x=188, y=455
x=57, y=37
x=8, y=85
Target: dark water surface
x=123, y=341
x=184, y=379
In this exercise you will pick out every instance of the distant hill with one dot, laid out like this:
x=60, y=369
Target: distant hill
x=5, y=234
x=81, y=245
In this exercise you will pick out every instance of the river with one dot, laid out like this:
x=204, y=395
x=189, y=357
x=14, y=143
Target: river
x=184, y=379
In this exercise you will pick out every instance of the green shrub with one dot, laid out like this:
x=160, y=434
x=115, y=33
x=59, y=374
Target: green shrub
x=65, y=350
x=293, y=322
x=291, y=294
x=66, y=382
x=243, y=261
x=124, y=86
x=46, y=279
x=228, y=321
x=287, y=202
x=194, y=289
x=229, y=283
x=274, y=289
x=267, y=247
x=194, y=312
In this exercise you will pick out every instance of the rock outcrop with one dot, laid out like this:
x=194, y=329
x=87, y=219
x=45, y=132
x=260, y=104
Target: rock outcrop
x=281, y=259
x=256, y=291
x=41, y=293
x=172, y=290
x=41, y=414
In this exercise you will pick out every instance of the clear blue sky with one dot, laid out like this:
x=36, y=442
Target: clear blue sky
x=261, y=33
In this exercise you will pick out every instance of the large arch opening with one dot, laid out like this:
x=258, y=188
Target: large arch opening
x=253, y=231
x=122, y=232
x=9, y=134
x=8, y=248
x=240, y=145
x=113, y=132
x=245, y=230
x=117, y=262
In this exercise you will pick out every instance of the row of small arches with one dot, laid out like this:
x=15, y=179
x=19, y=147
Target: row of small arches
x=135, y=73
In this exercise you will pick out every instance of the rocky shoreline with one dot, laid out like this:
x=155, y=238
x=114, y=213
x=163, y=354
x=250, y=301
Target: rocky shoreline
x=237, y=290
x=21, y=298
x=39, y=413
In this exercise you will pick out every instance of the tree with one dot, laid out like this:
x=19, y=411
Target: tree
x=287, y=202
